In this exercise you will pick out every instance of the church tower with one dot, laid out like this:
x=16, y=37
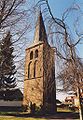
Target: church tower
x=39, y=81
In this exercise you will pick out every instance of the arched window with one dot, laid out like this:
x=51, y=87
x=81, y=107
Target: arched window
x=36, y=53
x=35, y=68
x=31, y=55
x=29, y=70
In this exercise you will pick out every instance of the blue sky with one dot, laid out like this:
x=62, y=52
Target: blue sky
x=59, y=6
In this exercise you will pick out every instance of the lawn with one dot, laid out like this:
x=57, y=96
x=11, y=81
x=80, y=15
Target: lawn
x=66, y=110
x=63, y=110
x=19, y=118
x=24, y=116
x=14, y=116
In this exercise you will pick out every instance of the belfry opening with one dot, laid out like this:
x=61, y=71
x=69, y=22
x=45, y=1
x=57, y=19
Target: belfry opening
x=39, y=81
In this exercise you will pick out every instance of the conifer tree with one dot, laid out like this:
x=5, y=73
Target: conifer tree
x=7, y=67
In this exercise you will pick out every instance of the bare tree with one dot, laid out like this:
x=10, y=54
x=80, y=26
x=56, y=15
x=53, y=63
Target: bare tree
x=65, y=44
x=16, y=16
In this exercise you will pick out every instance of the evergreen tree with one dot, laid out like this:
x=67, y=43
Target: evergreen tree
x=7, y=67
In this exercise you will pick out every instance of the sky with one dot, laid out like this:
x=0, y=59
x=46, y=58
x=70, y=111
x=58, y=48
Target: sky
x=58, y=7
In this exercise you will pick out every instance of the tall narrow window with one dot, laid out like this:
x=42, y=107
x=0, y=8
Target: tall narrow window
x=36, y=53
x=31, y=55
x=29, y=70
x=35, y=68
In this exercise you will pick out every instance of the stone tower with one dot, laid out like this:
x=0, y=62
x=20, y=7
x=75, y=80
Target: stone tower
x=39, y=82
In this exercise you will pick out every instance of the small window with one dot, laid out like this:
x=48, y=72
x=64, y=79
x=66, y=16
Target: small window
x=29, y=70
x=36, y=53
x=35, y=68
x=31, y=55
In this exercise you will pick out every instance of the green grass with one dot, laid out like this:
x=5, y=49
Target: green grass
x=63, y=110
x=15, y=118
x=14, y=113
x=7, y=116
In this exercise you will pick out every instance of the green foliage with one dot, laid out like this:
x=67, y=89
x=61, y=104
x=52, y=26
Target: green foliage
x=7, y=67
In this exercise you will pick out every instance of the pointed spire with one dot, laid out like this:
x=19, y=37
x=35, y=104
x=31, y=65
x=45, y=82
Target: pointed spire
x=40, y=32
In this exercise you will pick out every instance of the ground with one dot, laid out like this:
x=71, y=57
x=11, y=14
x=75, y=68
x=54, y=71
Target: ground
x=14, y=118
x=62, y=114
x=57, y=116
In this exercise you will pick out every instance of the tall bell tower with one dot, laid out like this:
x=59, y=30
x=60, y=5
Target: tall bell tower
x=39, y=81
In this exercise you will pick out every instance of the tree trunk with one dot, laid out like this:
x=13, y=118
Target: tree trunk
x=80, y=105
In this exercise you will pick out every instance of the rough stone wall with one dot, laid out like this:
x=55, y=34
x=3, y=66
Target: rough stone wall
x=33, y=86
x=41, y=88
x=49, y=78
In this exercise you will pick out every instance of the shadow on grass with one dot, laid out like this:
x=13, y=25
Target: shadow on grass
x=58, y=115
